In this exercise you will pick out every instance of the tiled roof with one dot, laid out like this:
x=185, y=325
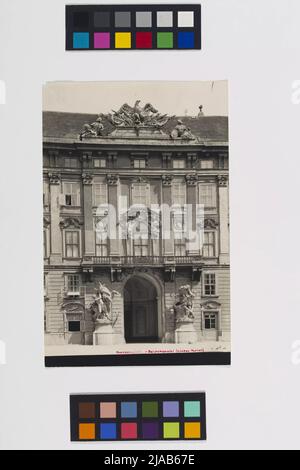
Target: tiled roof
x=69, y=125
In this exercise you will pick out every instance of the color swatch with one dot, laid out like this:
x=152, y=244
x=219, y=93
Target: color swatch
x=135, y=417
x=139, y=27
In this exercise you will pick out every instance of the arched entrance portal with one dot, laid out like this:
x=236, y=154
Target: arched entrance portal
x=140, y=311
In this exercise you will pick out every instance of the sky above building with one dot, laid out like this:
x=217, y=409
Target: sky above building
x=169, y=97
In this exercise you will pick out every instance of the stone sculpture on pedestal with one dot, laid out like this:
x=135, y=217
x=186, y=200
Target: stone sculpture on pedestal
x=183, y=309
x=101, y=310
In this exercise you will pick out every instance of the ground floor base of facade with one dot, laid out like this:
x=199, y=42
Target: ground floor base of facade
x=171, y=348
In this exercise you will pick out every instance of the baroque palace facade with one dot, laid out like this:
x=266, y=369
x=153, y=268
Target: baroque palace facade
x=144, y=158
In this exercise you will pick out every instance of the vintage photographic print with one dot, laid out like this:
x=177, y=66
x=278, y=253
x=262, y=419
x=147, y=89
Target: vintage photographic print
x=136, y=223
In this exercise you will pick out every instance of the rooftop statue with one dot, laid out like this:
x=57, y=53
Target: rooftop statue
x=201, y=113
x=93, y=130
x=136, y=116
x=181, y=131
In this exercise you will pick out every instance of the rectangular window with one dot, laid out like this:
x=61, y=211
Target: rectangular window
x=45, y=194
x=209, y=249
x=207, y=164
x=101, y=244
x=179, y=164
x=180, y=247
x=210, y=321
x=140, y=247
x=139, y=163
x=73, y=283
x=72, y=194
x=74, y=326
x=100, y=196
x=140, y=194
x=208, y=194
x=99, y=163
x=179, y=193
x=72, y=244
x=71, y=162
x=209, y=284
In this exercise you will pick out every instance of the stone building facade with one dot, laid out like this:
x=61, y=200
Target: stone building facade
x=181, y=161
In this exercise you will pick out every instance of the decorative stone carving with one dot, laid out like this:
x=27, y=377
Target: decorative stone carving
x=136, y=116
x=54, y=178
x=70, y=222
x=222, y=180
x=101, y=311
x=167, y=180
x=101, y=307
x=192, y=179
x=139, y=179
x=112, y=180
x=210, y=305
x=181, y=131
x=210, y=223
x=87, y=179
x=183, y=309
x=73, y=308
x=92, y=130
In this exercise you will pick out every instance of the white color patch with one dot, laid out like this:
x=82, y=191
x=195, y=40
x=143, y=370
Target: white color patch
x=185, y=19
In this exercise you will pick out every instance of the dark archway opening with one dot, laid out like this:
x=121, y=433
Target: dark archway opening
x=140, y=311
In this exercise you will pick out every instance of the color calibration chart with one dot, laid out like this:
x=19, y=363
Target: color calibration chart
x=138, y=417
x=123, y=27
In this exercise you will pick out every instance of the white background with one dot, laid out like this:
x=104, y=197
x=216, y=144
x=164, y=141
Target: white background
x=255, y=402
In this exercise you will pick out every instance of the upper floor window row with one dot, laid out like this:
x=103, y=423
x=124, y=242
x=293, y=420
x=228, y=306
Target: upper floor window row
x=140, y=194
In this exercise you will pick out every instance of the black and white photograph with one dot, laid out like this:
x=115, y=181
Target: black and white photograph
x=136, y=223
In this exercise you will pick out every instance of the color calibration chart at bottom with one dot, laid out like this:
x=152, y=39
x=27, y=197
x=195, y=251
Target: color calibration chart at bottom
x=138, y=417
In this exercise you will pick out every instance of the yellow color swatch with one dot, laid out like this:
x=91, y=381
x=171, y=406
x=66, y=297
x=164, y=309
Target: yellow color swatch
x=192, y=430
x=123, y=40
x=87, y=431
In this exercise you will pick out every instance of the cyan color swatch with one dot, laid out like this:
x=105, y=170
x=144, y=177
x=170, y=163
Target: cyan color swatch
x=192, y=409
x=81, y=40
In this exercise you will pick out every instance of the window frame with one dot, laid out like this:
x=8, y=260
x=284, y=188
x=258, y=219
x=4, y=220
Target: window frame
x=177, y=161
x=74, y=321
x=214, y=244
x=214, y=313
x=209, y=273
x=71, y=159
x=214, y=203
x=73, y=231
x=105, y=190
x=203, y=164
x=137, y=163
x=100, y=160
x=71, y=195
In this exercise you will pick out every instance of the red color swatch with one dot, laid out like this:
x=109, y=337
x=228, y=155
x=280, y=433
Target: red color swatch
x=129, y=431
x=144, y=40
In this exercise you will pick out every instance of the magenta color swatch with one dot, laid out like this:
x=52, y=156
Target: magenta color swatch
x=102, y=40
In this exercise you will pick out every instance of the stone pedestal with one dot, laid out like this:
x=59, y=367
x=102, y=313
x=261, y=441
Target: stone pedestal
x=103, y=334
x=185, y=332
